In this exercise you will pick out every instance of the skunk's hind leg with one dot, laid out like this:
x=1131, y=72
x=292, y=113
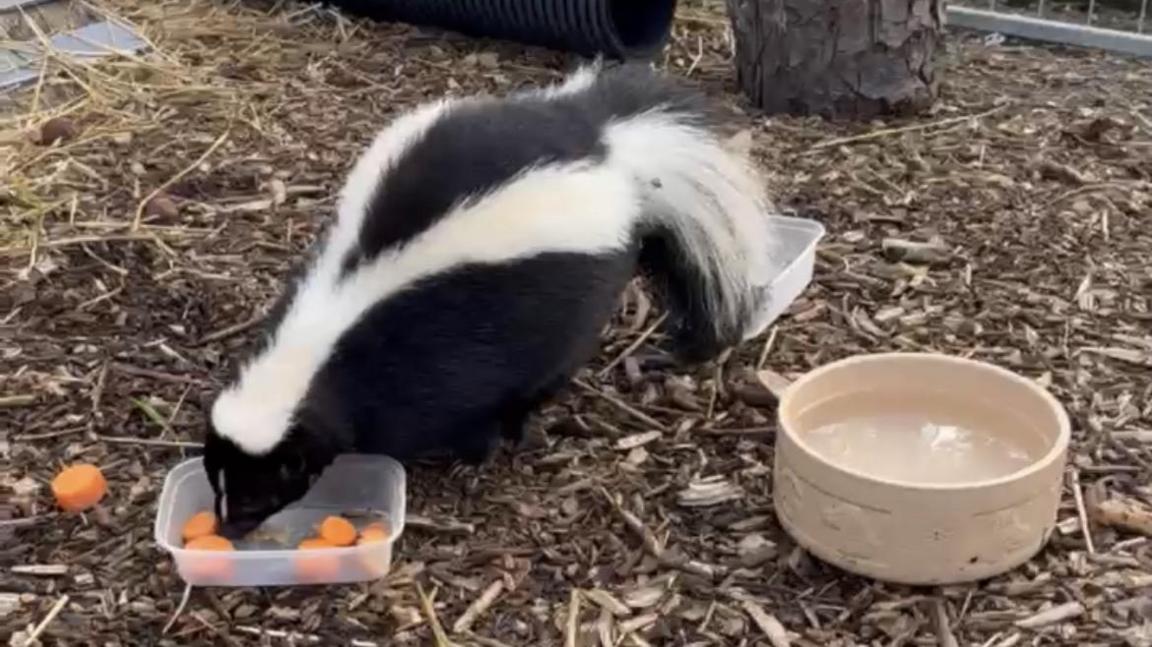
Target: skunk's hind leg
x=516, y=414
x=476, y=443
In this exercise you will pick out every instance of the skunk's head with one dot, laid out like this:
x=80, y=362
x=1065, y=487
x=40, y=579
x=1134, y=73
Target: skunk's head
x=255, y=475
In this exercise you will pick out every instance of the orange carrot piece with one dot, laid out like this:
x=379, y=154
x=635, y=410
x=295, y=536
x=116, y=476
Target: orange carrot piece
x=200, y=524
x=315, y=567
x=373, y=532
x=314, y=543
x=208, y=568
x=209, y=542
x=79, y=487
x=338, y=531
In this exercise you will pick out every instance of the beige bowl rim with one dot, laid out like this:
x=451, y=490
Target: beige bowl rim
x=1057, y=450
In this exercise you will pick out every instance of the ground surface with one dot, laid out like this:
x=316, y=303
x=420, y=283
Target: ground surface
x=1034, y=171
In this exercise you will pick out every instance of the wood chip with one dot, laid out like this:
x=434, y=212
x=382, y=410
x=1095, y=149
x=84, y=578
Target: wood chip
x=907, y=251
x=637, y=440
x=478, y=607
x=1052, y=615
x=774, y=382
x=42, y=570
x=607, y=601
x=773, y=630
x=710, y=492
x=1126, y=514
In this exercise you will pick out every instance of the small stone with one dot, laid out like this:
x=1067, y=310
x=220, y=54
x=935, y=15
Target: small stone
x=58, y=129
x=162, y=206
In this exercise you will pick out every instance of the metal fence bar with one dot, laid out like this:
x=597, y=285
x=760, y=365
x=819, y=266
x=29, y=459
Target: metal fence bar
x=1051, y=31
x=1143, y=16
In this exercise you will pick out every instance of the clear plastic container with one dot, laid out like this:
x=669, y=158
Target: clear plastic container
x=362, y=488
x=796, y=260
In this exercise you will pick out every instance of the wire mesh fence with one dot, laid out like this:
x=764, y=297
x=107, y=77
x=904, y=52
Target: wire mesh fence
x=1115, y=25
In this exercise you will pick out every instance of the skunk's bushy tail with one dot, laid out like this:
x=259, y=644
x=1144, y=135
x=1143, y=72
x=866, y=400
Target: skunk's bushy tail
x=706, y=240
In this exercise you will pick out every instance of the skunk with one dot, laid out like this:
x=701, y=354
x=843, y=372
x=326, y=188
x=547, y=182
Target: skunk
x=479, y=249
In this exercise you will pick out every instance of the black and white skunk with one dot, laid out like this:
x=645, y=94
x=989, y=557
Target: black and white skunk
x=479, y=249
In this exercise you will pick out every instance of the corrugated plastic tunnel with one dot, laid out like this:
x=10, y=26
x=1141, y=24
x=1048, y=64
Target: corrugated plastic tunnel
x=619, y=29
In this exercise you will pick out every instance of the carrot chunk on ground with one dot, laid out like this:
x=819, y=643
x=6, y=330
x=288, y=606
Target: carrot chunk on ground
x=200, y=524
x=338, y=531
x=79, y=487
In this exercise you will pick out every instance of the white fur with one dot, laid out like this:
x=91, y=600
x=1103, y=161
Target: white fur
x=577, y=82
x=710, y=198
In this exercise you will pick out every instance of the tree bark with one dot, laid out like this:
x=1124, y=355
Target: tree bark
x=838, y=58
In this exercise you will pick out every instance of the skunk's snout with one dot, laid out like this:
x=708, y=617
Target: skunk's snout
x=236, y=528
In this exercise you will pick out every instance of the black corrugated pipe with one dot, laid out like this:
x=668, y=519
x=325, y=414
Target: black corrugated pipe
x=613, y=28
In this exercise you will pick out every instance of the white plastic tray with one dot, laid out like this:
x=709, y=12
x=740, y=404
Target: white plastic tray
x=352, y=483
x=796, y=252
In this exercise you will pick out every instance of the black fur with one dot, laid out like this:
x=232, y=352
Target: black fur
x=467, y=355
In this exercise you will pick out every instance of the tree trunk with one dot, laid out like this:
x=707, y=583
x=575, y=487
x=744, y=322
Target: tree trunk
x=837, y=58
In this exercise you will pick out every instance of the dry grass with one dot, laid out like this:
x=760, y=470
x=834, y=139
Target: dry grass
x=138, y=256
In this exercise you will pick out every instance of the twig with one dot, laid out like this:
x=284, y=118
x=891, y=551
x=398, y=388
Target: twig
x=484, y=640
x=426, y=602
x=234, y=329
x=446, y=526
x=885, y=132
x=179, y=608
x=293, y=636
x=768, y=344
x=152, y=414
x=1082, y=511
x=1060, y=613
x=1010, y=641
x=40, y=570
x=573, y=622
x=80, y=240
x=627, y=352
x=944, y=635
x=741, y=431
x=768, y=624
x=652, y=545
x=50, y=434
x=21, y=400
x=136, y=220
x=23, y=522
x=52, y=613
x=478, y=607
x=623, y=406
x=215, y=630
x=151, y=441
x=128, y=369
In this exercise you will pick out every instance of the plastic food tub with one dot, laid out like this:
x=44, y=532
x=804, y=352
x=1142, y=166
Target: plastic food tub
x=363, y=488
x=796, y=253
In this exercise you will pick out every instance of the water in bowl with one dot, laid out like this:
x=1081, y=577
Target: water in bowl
x=920, y=438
